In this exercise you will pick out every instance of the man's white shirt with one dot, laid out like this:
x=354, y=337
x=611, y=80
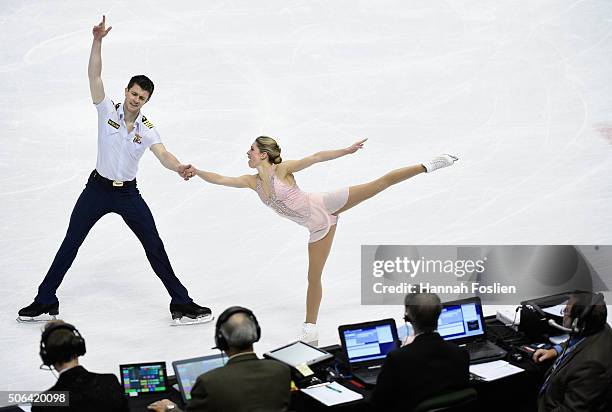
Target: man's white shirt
x=119, y=151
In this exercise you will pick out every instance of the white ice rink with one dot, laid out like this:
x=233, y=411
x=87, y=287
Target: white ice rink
x=520, y=91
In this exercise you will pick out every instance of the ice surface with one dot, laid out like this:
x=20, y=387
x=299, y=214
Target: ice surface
x=519, y=91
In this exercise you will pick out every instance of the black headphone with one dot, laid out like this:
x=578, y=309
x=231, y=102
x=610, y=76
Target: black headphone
x=220, y=341
x=76, y=346
x=581, y=322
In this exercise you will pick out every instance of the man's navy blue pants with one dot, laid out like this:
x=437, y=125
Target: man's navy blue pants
x=99, y=198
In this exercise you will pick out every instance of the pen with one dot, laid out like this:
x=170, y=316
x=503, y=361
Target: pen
x=333, y=389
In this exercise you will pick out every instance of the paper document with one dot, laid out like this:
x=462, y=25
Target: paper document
x=304, y=370
x=332, y=393
x=556, y=310
x=509, y=316
x=491, y=371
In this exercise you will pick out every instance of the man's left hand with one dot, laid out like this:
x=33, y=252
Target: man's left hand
x=186, y=171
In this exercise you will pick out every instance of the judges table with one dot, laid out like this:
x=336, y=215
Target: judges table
x=515, y=393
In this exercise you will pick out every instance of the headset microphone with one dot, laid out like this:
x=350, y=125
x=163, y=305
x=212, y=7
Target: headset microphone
x=555, y=325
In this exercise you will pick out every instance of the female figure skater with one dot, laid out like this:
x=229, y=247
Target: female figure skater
x=276, y=187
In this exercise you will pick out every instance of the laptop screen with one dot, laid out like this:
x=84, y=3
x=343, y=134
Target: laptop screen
x=144, y=378
x=366, y=343
x=461, y=319
x=188, y=370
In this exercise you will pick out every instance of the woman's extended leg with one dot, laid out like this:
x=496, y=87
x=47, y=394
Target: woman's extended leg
x=317, y=255
x=359, y=193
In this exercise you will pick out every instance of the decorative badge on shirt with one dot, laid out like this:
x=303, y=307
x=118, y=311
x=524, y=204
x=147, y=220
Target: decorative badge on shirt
x=147, y=122
x=137, y=139
x=113, y=123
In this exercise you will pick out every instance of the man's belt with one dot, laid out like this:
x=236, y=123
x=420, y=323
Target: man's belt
x=112, y=183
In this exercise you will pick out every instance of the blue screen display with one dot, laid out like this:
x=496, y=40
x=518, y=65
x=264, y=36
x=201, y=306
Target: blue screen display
x=460, y=321
x=365, y=344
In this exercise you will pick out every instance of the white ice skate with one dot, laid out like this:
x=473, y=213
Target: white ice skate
x=439, y=162
x=309, y=334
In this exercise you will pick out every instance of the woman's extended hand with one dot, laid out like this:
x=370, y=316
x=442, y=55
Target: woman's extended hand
x=355, y=146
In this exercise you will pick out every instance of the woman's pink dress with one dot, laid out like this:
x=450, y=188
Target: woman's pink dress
x=312, y=210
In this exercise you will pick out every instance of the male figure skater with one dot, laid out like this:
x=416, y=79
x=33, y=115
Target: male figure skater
x=123, y=135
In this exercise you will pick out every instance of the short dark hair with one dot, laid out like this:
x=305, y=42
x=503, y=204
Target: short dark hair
x=423, y=310
x=144, y=82
x=596, y=319
x=60, y=344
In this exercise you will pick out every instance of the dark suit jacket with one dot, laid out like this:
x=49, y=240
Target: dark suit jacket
x=245, y=383
x=583, y=379
x=88, y=392
x=427, y=367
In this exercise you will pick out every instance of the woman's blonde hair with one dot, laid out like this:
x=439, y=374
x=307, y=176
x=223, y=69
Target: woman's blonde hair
x=268, y=145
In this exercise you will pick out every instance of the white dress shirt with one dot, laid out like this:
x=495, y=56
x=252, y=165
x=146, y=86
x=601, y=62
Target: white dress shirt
x=118, y=150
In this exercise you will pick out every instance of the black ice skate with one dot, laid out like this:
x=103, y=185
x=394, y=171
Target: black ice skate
x=189, y=314
x=38, y=312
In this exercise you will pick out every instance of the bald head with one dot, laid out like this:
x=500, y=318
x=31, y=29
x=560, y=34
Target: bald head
x=239, y=331
x=422, y=311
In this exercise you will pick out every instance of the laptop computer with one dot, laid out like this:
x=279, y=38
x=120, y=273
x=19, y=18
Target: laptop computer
x=366, y=346
x=145, y=382
x=187, y=371
x=462, y=322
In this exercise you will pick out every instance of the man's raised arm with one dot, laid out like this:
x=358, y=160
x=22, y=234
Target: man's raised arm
x=94, y=70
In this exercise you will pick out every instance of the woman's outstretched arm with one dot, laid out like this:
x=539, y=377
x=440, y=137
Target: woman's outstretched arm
x=244, y=181
x=291, y=166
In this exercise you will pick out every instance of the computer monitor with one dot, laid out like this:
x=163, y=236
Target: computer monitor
x=188, y=370
x=144, y=378
x=368, y=342
x=462, y=320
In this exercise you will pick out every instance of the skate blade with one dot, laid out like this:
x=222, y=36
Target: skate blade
x=37, y=319
x=189, y=321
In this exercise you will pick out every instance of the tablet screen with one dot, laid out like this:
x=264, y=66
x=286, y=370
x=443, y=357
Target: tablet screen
x=298, y=353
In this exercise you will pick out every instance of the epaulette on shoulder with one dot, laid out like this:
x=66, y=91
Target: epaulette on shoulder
x=146, y=122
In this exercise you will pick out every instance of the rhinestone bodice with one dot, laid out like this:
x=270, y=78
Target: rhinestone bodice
x=287, y=200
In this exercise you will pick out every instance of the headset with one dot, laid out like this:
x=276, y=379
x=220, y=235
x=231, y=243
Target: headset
x=76, y=346
x=581, y=322
x=220, y=340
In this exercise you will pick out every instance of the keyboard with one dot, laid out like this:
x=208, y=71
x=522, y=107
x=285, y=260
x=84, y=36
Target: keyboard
x=484, y=351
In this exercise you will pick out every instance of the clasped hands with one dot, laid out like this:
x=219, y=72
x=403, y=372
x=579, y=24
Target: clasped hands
x=186, y=171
